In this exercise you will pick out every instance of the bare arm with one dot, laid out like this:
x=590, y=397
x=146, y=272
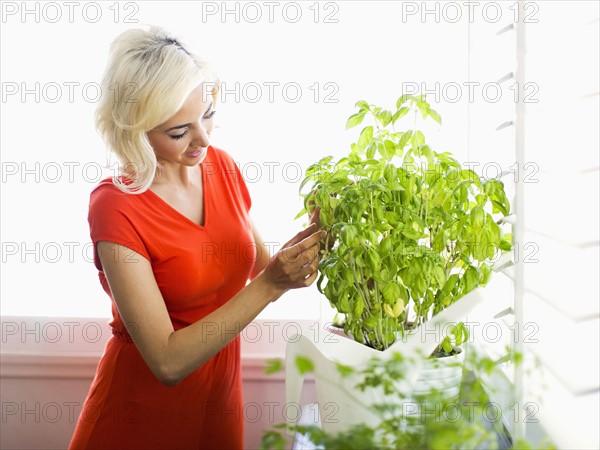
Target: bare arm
x=172, y=355
x=262, y=254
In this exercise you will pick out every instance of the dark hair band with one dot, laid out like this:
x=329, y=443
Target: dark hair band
x=173, y=41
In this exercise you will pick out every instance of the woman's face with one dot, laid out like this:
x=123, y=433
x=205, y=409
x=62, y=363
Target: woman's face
x=184, y=138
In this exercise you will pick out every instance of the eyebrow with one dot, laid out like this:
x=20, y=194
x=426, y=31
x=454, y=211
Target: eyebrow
x=187, y=124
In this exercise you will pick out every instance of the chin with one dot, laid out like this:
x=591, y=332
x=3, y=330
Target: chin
x=202, y=157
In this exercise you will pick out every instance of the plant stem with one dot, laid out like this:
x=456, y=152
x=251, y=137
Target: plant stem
x=359, y=283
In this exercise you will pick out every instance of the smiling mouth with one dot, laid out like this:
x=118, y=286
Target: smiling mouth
x=195, y=153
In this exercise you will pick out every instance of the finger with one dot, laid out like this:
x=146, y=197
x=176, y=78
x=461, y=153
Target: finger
x=304, y=279
x=308, y=256
x=311, y=199
x=295, y=262
x=302, y=260
x=297, y=257
x=315, y=217
x=300, y=236
x=310, y=279
x=311, y=267
x=295, y=250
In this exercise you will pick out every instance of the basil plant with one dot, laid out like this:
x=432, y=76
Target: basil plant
x=411, y=230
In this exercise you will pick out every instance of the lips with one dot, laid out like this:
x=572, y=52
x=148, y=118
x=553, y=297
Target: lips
x=195, y=153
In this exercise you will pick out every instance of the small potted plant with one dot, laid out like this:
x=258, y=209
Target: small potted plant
x=414, y=231
x=411, y=233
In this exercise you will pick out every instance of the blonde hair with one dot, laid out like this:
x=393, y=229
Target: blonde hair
x=149, y=76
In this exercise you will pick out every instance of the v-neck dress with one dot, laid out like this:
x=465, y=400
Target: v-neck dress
x=198, y=268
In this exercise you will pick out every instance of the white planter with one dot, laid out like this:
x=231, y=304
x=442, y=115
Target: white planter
x=441, y=374
x=341, y=405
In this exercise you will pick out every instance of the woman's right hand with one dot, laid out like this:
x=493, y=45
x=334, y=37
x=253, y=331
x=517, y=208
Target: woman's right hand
x=296, y=264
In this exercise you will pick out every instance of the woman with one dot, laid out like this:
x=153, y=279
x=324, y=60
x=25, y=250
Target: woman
x=175, y=247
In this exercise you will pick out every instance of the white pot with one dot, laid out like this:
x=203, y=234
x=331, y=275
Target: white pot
x=341, y=405
x=442, y=374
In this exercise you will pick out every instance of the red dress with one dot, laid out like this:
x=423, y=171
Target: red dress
x=198, y=269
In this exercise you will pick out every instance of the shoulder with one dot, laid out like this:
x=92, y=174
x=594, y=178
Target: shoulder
x=222, y=165
x=222, y=157
x=229, y=174
x=106, y=195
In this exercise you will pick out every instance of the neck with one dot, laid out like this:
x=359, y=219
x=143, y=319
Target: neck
x=177, y=176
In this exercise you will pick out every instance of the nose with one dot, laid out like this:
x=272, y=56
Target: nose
x=200, y=137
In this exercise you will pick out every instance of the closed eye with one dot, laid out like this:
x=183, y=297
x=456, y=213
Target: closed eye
x=179, y=136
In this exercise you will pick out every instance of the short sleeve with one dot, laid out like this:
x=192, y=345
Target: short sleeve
x=111, y=218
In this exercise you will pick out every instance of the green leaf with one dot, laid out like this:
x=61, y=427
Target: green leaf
x=300, y=214
x=477, y=217
x=348, y=234
x=490, y=248
x=366, y=135
x=385, y=117
x=440, y=275
x=468, y=174
x=344, y=370
x=389, y=149
x=325, y=218
x=494, y=230
x=306, y=180
x=418, y=139
x=304, y=365
x=500, y=207
x=421, y=285
x=435, y=116
x=391, y=293
x=403, y=294
x=402, y=99
x=272, y=440
x=370, y=322
x=404, y=139
x=388, y=310
x=447, y=345
x=364, y=106
x=460, y=333
x=398, y=307
x=424, y=108
x=450, y=284
x=385, y=246
x=471, y=278
x=355, y=119
x=359, y=307
x=505, y=245
x=371, y=150
x=374, y=260
x=400, y=113
x=344, y=305
x=322, y=199
x=273, y=366
x=486, y=273
x=411, y=234
x=325, y=161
